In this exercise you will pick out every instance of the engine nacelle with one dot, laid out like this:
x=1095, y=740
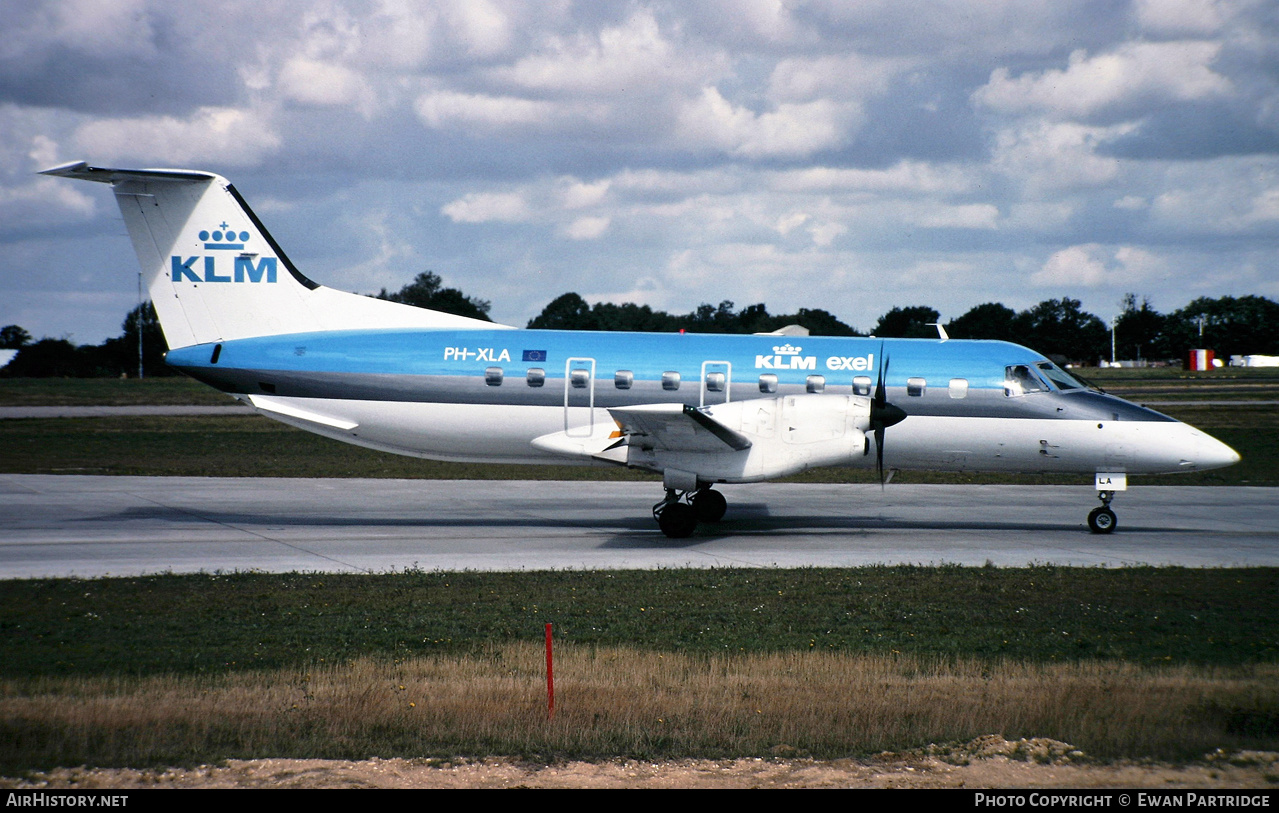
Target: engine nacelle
x=787, y=435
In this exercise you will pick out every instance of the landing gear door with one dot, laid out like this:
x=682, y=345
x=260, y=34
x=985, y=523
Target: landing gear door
x=579, y=397
x=717, y=380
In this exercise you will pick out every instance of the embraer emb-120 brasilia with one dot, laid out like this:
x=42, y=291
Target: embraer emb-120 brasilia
x=698, y=409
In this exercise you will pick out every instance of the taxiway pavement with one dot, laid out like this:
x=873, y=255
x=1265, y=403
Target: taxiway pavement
x=94, y=526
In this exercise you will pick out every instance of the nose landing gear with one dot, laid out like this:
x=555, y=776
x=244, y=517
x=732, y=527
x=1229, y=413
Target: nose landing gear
x=1101, y=520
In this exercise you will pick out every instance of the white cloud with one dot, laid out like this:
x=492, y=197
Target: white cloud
x=324, y=84
x=1181, y=16
x=1037, y=216
x=586, y=228
x=1047, y=156
x=787, y=223
x=633, y=58
x=1240, y=192
x=90, y=27
x=480, y=25
x=1265, y=207
x=442, y=108
x=825, y=233
x=1073, y=267
x=1134, y=73
x=211, y=134
x=576, y=194
x=647, y=290
x=44, y=201
x=965, y=216
x=850, y=77
x=485, y=207
x=790, y=130
x=1137, y=263
x=666, y=182
x=903, y=177
x=1092, y=265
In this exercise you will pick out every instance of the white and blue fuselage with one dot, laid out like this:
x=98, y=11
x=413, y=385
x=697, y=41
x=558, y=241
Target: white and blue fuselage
x=485, y=395
x=698, y=409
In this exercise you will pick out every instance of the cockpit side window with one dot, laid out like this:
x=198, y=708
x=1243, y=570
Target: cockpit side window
x=1060, y=379
x=1021, y=379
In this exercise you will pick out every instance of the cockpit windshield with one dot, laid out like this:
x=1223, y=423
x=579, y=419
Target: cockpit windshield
x=1021, y=379
x=1060, y=379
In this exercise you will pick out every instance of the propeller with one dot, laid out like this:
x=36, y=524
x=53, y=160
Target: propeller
x=883, y=415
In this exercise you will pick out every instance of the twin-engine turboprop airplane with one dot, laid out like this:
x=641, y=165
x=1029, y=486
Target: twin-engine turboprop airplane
x=698, y=409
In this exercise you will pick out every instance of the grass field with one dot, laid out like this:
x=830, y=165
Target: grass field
x=169, y=391
x=1127, y=663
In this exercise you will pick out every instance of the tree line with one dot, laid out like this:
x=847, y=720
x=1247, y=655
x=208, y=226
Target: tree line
x=1058, y=328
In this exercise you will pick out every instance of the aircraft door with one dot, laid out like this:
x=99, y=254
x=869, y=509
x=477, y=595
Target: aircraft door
x=579, y=397
x=717, y=380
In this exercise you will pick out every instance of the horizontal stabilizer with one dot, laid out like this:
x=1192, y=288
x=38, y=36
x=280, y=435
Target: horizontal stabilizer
x=81, y=171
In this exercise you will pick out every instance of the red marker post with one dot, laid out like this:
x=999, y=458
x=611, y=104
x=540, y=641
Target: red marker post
x=550, y=677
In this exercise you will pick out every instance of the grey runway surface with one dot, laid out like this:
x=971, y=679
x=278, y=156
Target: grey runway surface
x=94, y=526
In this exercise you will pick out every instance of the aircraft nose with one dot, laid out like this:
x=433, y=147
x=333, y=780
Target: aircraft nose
x=1213, y=454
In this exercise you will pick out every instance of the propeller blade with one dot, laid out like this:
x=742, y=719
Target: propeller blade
x=879, y=454
x=883, y=414
x=881, y=396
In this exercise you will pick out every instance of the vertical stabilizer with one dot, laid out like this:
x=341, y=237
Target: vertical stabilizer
x=215, y=273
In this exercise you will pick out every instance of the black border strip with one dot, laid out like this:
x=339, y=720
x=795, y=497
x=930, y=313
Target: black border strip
x=279, y=252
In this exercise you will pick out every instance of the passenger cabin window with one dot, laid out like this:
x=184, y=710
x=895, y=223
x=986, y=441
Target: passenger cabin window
x=768, y=383
x=622, y=379
x=861, y=385
x=493, y=376
x=916, y=387
x=536, y=377
x=670, y=380
x=715, y=382
x=958, y=388
x=580, y=378
x=1019, y=379
x=815, y=383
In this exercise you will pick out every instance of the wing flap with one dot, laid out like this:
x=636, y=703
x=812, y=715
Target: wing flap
x=677, y=427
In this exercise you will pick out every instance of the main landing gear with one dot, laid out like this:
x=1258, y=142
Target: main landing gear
x=680, y=511
x=1101, y=520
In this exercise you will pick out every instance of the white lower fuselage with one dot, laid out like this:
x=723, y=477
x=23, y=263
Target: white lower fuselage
x=482, y=433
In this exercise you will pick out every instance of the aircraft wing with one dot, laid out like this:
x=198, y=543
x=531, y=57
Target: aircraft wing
x=676, y=427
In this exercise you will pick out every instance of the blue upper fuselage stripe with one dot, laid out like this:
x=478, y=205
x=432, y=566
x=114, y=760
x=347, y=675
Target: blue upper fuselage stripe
x=647, y=355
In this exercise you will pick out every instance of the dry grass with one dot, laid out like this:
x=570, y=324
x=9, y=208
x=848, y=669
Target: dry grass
x=621, y=702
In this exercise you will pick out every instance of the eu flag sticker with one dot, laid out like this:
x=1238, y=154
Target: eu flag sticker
x=534, y=355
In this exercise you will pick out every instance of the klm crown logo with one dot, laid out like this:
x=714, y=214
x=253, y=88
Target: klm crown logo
x=243, y=267
x=224, y=238
x=785, y=357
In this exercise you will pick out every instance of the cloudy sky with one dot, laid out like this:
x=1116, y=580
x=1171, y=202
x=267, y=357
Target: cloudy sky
x=840, y=155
